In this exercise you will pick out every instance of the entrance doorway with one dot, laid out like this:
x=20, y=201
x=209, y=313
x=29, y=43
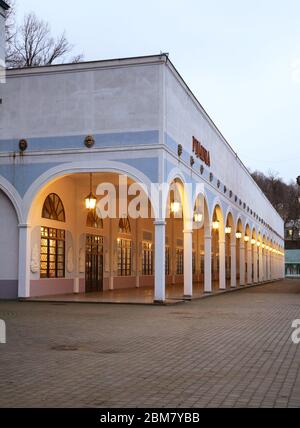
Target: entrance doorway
x=94, y=264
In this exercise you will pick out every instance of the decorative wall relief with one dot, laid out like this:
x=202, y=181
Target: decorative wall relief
x=81, y=260
x=70, y=260
x=35, y=259
x=106, y=261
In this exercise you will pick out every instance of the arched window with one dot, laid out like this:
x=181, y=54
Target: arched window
x=53, y=208
x=124, y=225
x=93, y=220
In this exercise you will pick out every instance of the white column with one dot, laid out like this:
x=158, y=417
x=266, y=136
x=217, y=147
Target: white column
x=188, y=262
x=249, y=263
x=242, y=262
x=233, y=263
x=112, y=254
x=137, y=253
x=255, y=273
x=261, y=264
x=76, y=281
x=24, y=261
x=207, y=264
x=173, y=252
x=160, y=243
x=222, y=265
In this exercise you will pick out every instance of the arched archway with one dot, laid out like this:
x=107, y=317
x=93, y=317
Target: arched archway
x=64, y=170
x=9, y=248
x=254, y=255
x=264, y=258
x=175, y=214
x=92, y=258
x=201, y=246
x=218, y=247
x=240, y=252
x=248, y=254
x=230, y=250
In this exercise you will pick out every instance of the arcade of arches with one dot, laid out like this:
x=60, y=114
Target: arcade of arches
x=72, y=250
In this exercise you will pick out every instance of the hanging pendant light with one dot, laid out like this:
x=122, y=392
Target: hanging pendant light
x=90, y=200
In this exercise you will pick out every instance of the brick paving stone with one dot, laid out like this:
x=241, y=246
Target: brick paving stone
x=233, y=350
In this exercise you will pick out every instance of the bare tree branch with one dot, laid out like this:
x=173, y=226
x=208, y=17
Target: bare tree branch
x=32, y=44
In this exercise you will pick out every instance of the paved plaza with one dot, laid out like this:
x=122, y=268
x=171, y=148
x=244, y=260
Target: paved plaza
x=230, y=350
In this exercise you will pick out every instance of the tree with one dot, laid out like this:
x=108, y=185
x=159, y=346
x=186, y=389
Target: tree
x=32, y=44
x=284, y=197
x=10, y=28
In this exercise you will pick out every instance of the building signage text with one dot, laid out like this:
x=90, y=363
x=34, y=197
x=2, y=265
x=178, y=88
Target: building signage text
x=201, y=151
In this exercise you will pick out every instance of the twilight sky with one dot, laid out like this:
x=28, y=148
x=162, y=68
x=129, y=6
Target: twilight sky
x=241, y=60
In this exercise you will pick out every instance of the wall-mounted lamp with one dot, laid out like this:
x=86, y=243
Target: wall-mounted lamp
x=238, y=235
x=228, y=230
x=258, y=244
x=198, y=217
x=175, y=207
x=216, y=225
x=253, y=242
x=246, y=238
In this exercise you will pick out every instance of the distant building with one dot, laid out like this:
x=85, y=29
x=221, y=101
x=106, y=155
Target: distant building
x=292, y=246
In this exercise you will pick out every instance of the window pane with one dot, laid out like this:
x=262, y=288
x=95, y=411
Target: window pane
x=52, y=253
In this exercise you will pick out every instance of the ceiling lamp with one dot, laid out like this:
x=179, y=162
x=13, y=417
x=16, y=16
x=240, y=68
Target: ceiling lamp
x=90, y=200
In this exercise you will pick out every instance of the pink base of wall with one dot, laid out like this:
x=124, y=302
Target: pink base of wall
x=146, y=281
x=124, y=282
x=169, y=279
x=51, y=287
x=179, y=279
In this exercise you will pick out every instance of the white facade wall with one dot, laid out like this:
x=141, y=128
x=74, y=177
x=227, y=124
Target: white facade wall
x=80, y=101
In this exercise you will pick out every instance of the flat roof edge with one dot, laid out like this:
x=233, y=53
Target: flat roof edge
x=86, y=65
